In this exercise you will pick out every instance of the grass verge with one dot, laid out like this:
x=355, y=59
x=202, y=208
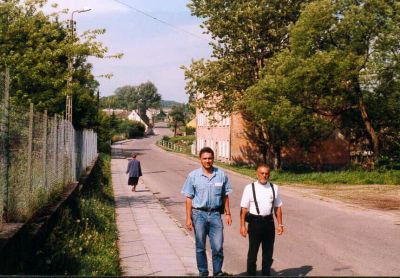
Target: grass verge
x=84, y=240
x=369, y=189
x=391, y=177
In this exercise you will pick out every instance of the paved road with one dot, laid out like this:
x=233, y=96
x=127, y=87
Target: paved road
x=321, y=237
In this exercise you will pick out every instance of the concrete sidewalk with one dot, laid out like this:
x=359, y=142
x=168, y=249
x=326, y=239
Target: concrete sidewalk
x=150, y=242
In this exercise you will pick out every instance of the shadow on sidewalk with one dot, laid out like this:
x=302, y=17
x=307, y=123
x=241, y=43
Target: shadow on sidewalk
x=294, y=272
x=125, y=201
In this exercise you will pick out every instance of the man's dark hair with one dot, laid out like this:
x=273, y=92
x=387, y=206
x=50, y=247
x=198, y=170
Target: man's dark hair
x=206, y=150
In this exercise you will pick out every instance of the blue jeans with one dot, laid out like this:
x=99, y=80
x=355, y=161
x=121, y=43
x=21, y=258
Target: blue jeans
x=208, y=223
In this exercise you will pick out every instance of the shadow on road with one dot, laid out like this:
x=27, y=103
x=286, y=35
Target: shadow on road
x=296, y=271
x=154, y=172
x=126, y=153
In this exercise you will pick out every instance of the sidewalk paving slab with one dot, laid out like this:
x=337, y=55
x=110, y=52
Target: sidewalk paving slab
x=150, y=242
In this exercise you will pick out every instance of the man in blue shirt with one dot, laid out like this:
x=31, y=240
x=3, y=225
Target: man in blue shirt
x=206, y=190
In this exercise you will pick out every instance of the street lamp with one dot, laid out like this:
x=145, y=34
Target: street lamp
x=68, y=107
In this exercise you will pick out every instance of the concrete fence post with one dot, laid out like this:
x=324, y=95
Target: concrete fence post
x=44, y=149
x=5, y=150
x=30, y=143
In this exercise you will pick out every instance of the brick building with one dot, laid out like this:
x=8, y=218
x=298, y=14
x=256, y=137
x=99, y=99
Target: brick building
x=232, y=144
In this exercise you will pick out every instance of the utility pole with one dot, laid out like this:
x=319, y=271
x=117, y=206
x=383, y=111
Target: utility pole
x=72, y=24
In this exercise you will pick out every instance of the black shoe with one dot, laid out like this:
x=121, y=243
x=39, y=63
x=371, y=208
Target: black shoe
x=266, y=273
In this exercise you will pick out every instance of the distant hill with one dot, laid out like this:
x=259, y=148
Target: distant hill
x=169, y=103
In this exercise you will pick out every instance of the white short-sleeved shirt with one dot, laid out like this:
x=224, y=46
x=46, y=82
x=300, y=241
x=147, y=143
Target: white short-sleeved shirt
x=264, y=198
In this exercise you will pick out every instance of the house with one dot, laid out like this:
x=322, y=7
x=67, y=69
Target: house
x=126, y=114
x=192, y=123
x=232, y=144
x=134, y=116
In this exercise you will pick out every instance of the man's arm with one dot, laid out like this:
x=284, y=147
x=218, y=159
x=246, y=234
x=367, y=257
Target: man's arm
x=228, y=215
x=278, y=215
x=189, y=224
x=243, y=228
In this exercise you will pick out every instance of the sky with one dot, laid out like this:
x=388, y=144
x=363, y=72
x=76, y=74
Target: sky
x=153, y=51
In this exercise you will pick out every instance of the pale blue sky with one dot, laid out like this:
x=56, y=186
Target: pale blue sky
x=152, y=50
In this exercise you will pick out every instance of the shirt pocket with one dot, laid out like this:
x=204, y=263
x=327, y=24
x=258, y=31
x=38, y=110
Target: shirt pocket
x=217, y=188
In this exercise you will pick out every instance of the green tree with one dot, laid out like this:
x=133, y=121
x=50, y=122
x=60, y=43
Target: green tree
x=147, y=97
x=131, y=129
x=125, y=97
x=343, y=64
x=140, y=98
x=177, y=116
x=245, y=33
x=36, y=48
x=278, y=123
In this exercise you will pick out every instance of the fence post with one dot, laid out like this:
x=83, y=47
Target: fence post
x=5, y=150
x=56, y=152
x=30, y=139
x=44, y=157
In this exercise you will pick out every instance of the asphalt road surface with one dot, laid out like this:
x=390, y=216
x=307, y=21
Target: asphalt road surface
x=322, y=237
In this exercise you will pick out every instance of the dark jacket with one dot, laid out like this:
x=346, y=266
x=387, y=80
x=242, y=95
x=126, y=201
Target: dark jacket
x=134, y=168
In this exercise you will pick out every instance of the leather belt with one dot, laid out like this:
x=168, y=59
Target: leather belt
x=208, y=209
x=261, y=217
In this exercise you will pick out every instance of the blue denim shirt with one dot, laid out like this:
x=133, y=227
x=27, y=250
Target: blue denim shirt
x=206, y=192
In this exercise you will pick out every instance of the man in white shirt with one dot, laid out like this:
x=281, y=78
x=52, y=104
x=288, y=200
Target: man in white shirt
x=261, y=227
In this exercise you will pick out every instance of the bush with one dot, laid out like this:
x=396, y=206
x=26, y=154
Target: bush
x=132, y=129
x=186, y=140
x=84, y=239
x=118, y=137
x=190, y=130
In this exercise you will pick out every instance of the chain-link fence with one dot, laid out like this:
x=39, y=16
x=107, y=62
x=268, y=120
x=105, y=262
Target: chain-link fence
x=38, y=156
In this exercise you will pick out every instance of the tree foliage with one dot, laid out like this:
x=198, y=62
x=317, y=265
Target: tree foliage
x=36, y=48
x=343, y=63
x=245, y=33
x=178, y=116
x=140, y=98
x=278, y=123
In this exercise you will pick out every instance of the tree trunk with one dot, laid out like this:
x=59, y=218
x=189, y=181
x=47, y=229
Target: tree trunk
x=264, y=151
x=368, y=125
x=277, y=158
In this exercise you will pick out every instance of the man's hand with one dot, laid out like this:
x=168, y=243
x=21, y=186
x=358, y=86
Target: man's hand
x=189, y=224
x=279, y=230
x=228, y=219
x=243, y=231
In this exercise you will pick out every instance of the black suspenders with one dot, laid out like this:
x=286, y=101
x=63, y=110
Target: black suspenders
x=255, y=198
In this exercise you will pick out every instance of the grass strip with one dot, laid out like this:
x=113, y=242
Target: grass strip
x=391, y=177
x=84, y=240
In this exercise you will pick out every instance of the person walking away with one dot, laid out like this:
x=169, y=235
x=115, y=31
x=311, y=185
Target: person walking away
x=135, y=171
x=206, y=190
x=258, y=202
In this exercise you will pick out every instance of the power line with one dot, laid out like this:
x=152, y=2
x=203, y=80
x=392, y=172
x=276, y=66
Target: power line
x=159, y=20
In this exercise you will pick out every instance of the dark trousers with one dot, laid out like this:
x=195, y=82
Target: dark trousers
x=261, y=231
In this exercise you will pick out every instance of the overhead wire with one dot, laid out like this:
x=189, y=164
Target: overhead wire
x=159, y=20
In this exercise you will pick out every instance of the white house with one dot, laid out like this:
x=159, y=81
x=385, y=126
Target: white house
x=134, y=116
